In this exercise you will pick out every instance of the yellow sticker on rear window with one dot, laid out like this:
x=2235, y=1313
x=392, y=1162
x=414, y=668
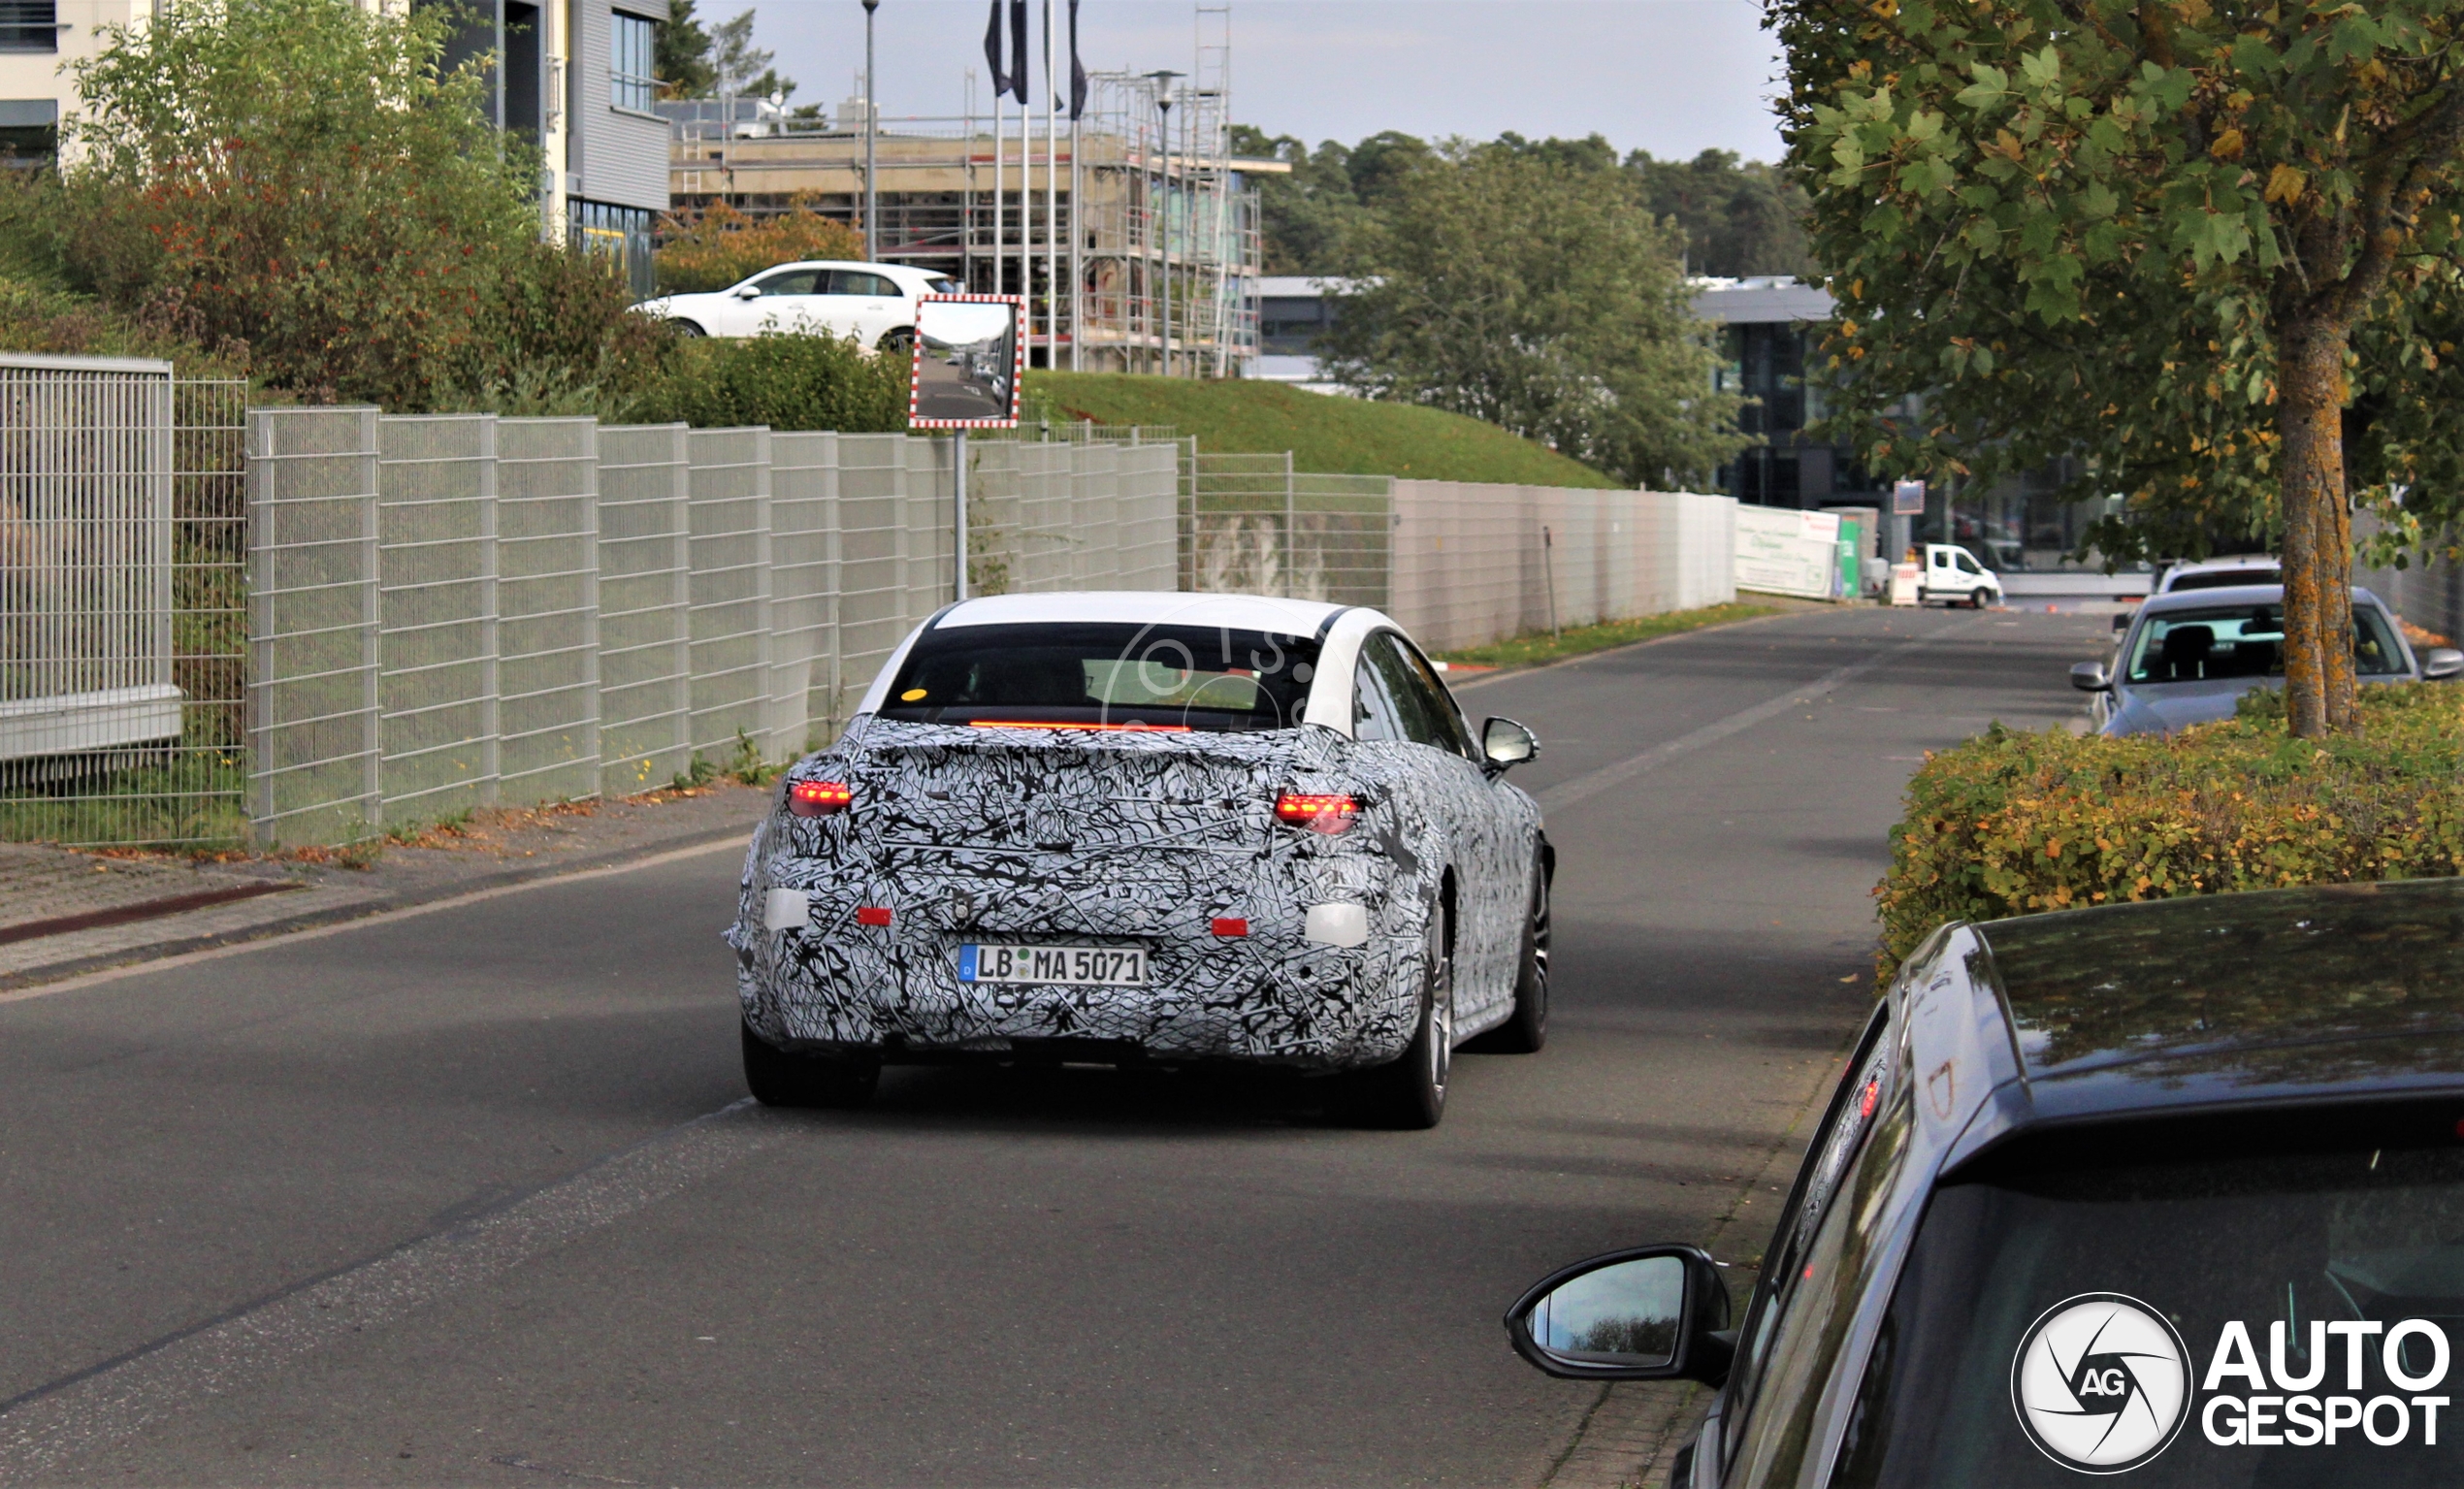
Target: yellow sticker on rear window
x=911, y=695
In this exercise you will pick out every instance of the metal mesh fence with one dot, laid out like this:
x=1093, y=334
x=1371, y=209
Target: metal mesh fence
x=1256, y=525
x=119, y=603
x=465, y=610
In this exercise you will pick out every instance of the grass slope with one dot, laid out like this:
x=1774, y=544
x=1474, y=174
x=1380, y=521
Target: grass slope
x=1346, y=436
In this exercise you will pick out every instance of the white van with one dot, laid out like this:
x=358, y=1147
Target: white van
x=1952, y=577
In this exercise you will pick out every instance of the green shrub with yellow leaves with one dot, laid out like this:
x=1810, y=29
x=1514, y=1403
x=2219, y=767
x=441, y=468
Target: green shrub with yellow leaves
x=2014, y=824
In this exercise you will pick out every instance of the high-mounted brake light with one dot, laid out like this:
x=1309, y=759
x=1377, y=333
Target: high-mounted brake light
x=818, y=798
x=1318, y=812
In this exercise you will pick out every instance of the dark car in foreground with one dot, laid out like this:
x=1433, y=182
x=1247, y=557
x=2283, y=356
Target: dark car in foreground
x=2191, y=654
x=2172, y=1191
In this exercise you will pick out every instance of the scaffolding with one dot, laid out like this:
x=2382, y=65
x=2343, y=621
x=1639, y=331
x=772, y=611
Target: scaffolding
x=1132, y=232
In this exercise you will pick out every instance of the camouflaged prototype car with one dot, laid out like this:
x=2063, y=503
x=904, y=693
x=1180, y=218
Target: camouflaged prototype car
x=1149, y=828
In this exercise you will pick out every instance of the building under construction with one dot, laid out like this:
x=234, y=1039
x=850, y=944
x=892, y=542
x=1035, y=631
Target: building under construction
x=1132, y=231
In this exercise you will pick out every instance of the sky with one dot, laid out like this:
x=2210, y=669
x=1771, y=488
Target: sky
x=1671, y=77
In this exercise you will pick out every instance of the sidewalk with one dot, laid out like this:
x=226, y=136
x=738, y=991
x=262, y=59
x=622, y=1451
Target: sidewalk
x=63, y=913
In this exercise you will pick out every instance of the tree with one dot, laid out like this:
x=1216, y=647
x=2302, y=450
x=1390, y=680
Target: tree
x=743, y=70
x=681, y=54
x=1534, y=291
x=1739, y=217
x=719, y=245
x=1310, y=216
x=2172, y=239
x=305, y=183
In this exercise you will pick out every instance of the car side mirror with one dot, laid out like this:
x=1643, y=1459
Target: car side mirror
x=2121, y=620
x=1652, y=1313
x=748, y=292
x=2440, y=661
x=1505, y=742
x=2089, y=677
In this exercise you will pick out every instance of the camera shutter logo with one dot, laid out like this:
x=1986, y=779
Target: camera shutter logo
x=2101, y=1382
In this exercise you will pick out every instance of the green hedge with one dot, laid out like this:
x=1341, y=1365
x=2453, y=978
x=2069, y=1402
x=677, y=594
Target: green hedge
x=2013, y=824
x=792, y=382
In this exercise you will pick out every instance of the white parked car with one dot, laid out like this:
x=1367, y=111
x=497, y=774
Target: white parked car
x=1952, y=577
x=873, y=303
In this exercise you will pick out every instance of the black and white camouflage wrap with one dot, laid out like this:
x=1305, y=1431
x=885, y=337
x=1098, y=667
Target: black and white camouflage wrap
x=1121, y=838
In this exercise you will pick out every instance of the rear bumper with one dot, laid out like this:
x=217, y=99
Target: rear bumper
x=1271, y=997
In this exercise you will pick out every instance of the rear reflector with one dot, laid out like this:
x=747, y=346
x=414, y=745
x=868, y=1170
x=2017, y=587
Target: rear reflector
x=872, y=915
x=818, y=799
x=1328, y=813
x=1225, y=926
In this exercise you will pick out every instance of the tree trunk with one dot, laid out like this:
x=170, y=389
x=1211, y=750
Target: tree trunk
x=2309, y=396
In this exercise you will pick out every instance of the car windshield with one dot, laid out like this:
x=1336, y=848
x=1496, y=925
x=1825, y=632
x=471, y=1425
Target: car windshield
x=2181, y=646
x=1116, y=675
x=2249, y=1320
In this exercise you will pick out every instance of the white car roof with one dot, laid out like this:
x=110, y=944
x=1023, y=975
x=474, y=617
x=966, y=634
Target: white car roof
x=1146, y=608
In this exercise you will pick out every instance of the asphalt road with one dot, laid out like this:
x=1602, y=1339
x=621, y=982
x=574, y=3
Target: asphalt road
x=470, y=1195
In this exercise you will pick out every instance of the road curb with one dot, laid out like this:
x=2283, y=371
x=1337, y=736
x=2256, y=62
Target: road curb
x=356, y=910
x=1527, y=669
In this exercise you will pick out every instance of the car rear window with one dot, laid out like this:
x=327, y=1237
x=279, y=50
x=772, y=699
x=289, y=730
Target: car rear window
x=2219, y=579
x=1105, y=675
x=2180, y=646
x=2257, y=1317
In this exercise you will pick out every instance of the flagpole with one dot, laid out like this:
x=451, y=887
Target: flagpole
x=1051, y=202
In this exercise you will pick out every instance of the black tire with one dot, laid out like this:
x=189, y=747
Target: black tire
x=1526, y=1028
x=1976, y=598
x=900, y=342
x=780, y=1078
x=688, y=329
x=1408, y=1094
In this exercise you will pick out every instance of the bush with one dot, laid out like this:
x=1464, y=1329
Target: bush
x=792, y=382
x=719, y=247
x=2013, y=824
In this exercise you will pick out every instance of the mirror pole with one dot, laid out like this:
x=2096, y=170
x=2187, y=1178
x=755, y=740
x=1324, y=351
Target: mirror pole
x=958, y=485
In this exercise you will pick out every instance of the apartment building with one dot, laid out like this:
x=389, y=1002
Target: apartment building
x=573, y=77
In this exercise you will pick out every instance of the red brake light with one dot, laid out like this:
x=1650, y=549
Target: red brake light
x=872, y=915
x=1230, y=925
x=1323, y=813
x=818, y=799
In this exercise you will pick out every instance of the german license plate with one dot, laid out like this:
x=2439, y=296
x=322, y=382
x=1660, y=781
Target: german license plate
x=1104, y=966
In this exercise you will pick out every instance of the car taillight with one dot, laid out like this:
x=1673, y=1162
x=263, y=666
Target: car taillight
x=818, y=799
x=1318, y=812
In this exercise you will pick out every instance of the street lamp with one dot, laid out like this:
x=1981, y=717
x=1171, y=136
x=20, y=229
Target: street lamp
x=1162, y=81
x=872, y=113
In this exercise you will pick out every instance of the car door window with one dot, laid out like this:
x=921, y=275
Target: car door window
x=1413, y=713
x=1373, y=714
x=1450, y=730
x=790, y=281
x=1836, y=1145
x=855, y=281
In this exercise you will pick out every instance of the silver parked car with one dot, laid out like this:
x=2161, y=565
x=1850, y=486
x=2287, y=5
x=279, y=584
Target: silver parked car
x=2191, y=654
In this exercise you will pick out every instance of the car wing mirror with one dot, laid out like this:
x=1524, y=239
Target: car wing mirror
x=1652, y=1313
x=748, y=292
x=2121, y=620
x=1505, y=742
x=2089, y=677
x=2441, y=662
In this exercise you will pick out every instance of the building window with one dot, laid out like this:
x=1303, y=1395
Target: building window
x=622, y=232
x=29, y=25
x=631, y=83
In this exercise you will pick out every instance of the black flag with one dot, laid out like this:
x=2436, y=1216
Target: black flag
x=1017, y=48
x=993, y=51
x=1077, y=71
